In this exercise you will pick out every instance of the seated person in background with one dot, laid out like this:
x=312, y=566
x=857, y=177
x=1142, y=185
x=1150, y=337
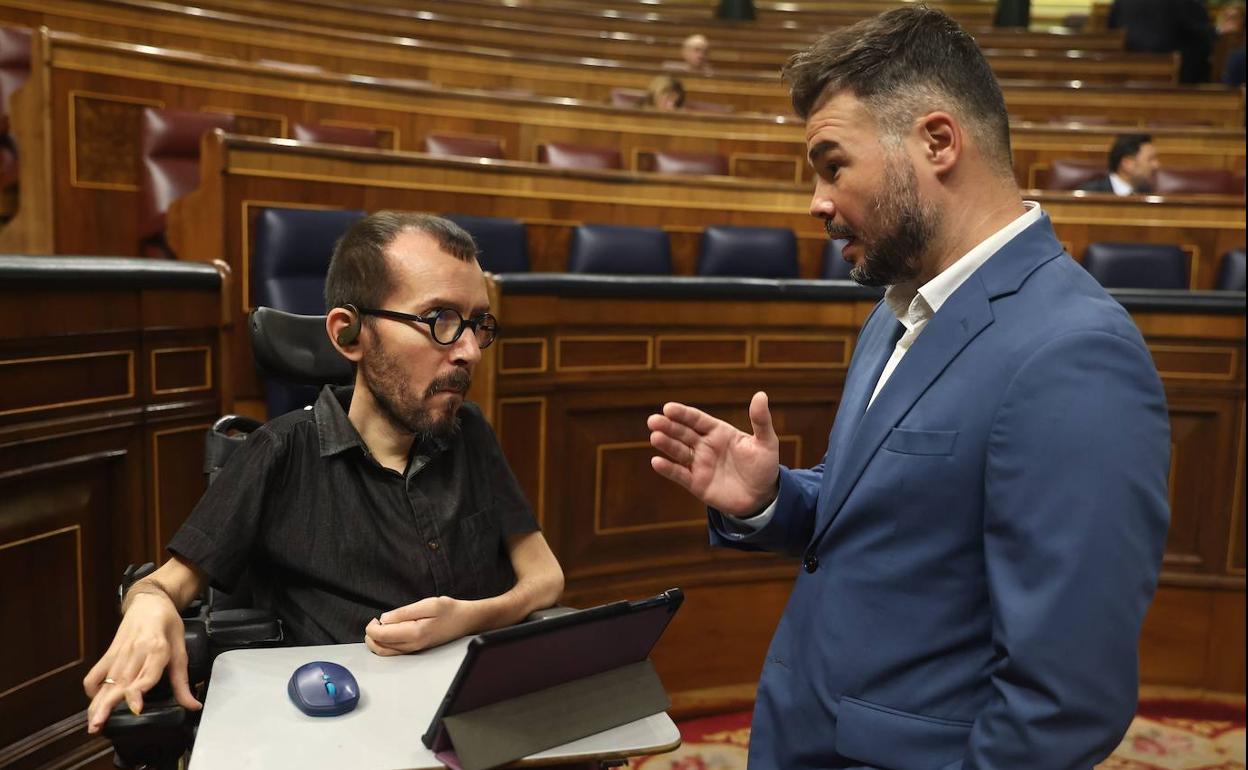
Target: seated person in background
x=694, y=56
x=386, y=512
x=1132, y=163
x=664, y=93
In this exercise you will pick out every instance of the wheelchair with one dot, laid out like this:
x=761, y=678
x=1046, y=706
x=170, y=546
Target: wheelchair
x=293, y=351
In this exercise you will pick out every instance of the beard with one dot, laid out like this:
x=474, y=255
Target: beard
x=391, y=390
x=902, y=230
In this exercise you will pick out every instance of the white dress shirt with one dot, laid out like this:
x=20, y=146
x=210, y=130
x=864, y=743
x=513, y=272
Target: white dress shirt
x=914, y=307
x=1120, y=185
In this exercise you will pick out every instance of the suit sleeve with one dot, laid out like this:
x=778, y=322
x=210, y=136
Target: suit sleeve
x=1074, y=528
x=789, y=530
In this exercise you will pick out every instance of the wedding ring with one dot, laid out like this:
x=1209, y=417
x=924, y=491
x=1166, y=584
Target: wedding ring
x=109, y=680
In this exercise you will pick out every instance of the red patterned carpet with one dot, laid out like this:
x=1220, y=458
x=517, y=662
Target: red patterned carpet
x=1166, y=735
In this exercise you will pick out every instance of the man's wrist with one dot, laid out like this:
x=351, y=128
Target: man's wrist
x=148, y=587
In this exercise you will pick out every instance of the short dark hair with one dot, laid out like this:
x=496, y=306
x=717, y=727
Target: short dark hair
x=1125, y=146
x=359, y=273
x=902, y=63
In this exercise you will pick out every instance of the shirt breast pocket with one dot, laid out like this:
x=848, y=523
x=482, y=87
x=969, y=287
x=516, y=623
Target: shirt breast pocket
x=485, y=555
x=921, y=442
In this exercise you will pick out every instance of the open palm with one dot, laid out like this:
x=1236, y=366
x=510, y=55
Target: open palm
x=728, y=469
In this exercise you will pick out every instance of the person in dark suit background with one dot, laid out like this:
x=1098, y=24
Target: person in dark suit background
x=982, y=538
x=1163, y=26
x=1132, y=162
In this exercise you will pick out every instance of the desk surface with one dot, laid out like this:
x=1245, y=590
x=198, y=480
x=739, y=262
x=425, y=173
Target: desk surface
x=249, y=722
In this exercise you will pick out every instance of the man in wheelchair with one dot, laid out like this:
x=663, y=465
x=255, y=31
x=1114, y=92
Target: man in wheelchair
x=386, y=512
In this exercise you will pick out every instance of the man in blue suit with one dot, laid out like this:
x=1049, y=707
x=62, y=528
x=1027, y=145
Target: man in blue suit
x=983, y=537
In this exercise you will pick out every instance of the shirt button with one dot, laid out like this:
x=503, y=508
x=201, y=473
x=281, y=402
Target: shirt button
x=810, y=563
x=433, y=545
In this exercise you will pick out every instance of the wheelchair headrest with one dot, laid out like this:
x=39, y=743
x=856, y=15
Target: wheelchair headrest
x=296, y=349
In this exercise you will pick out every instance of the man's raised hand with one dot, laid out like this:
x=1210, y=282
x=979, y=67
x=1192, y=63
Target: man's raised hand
x=729, y=470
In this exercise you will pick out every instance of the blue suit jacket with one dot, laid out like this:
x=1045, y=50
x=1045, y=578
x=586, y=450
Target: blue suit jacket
x=988, y=536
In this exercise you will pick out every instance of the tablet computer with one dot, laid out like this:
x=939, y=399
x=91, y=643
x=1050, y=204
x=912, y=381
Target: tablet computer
x=528, y=657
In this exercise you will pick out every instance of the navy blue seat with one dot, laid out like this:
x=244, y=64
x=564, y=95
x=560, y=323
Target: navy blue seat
x=290, y=257
x=502, y=243
x=749, y=252
x=1137, y=265
x=620, y=250
x=835, y=268
x=1231, y=271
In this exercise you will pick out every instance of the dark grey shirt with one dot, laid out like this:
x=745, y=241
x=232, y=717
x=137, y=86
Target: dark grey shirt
x=329, y=538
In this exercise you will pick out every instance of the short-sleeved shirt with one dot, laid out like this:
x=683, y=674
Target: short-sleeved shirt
x=329, y=538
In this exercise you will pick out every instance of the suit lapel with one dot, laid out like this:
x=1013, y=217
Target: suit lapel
x=874, y=348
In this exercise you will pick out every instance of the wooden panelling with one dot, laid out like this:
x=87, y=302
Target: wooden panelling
x=521, y=427
x=1202, y=433
x=51, y=383
x=522, y=356
x=110, y=383
x=603, y=354
x=177, y=480
x=711, y=351
x=103, y=148
x=180, y=370
x=802, y=351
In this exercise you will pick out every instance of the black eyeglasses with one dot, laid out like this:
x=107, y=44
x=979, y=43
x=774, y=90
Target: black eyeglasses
x=445, y=324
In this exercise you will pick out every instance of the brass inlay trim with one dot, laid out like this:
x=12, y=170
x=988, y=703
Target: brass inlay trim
x=129, y=354
x=381, y=128
x=601, y=449
x=610, y=197
x=245, y=229
x=279, y=117
x=733, y=157
x=207, y=369
x=1232, y=356
x=74, y=181
x=158, y=536
x=502, y=140
x=742, y=338
x=649, y=364
x=77, y=530
x=502, y=357
x=844, y=339
x=541, y=445
x=1237, y=502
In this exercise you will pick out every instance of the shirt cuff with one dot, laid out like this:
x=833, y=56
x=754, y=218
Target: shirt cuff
x=753, y=523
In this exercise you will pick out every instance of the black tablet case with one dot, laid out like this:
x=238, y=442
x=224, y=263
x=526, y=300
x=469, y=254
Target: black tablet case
x=537, y=685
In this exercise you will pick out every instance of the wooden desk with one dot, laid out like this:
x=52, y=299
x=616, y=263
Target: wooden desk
x=249, y=721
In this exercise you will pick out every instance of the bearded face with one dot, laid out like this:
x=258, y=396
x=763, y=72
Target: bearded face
x=900, y=229
x=430, y=414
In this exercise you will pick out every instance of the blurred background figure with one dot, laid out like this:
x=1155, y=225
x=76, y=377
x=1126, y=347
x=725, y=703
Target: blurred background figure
x=1163, y=26
x=1228, y=49
x=664, y=93
x=1132, y=162
x=695, y=55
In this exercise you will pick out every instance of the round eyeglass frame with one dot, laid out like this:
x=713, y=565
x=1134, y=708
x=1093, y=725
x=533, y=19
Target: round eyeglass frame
x=484, y=323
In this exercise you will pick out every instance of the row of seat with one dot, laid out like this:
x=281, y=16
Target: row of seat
x=1073, y=173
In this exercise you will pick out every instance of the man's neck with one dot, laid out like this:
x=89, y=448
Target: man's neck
x=968, y=224
x=389, y=444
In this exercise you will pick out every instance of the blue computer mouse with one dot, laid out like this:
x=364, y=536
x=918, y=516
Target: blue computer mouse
x=323, y=689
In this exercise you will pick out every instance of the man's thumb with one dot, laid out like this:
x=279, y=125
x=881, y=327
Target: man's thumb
x=760, y=419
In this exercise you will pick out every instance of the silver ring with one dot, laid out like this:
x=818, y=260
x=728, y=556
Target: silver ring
x=109, y=680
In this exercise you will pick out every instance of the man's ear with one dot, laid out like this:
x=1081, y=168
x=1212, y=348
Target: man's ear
x=343, y=325
x=941, y=141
